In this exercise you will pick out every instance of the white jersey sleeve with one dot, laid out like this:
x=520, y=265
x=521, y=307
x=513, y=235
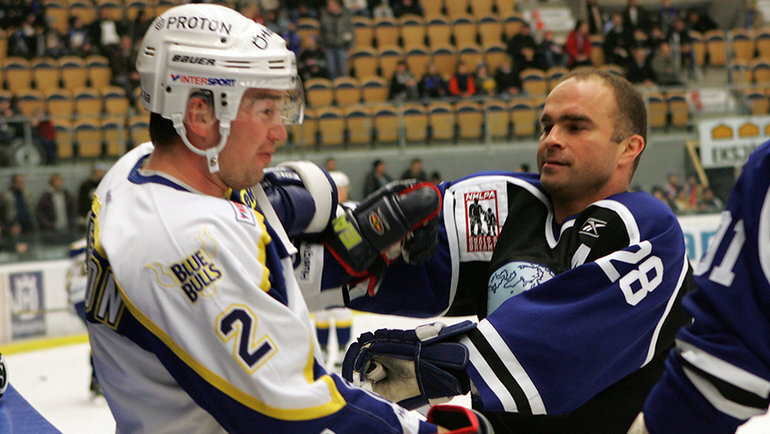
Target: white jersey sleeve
x=197, y=323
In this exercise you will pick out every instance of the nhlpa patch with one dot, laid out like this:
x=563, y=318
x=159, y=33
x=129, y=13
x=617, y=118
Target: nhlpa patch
x=244, y=214
x=482, y=219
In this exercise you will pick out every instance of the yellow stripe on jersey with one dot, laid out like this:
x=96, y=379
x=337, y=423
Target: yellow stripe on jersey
x=264, y=240
x=335, y=403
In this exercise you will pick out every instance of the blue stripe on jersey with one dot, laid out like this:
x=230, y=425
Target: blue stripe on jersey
x=352, y=410
x=136, y=177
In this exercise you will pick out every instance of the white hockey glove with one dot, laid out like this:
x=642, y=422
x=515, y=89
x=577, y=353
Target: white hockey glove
x=411, y=367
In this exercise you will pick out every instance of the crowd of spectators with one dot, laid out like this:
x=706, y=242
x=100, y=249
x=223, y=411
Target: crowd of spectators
x=56, y=216
x=690, y=197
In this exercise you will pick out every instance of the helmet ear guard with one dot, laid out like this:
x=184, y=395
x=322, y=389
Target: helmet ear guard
x=211, y=47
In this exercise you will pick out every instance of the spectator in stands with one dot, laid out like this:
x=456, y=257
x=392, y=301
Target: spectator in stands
x=753, y=18
x=727, y=15
x=635, y=17
x=336, y=37
x=376, y=178
x=20, y=218
x=403, y=85
x=654, y=38
x=681, y=42
x=415, y=171
x=25, y=40
x=312, y=60
x=105, y=31
x=56, y=211
x=11, y=128
x=139, y=25
x=658, y=192
x=522, y=48
x=123, y=65
x=78, y=41
x=578, y=45
x=461, y=83
x=682, y=204
x=666, y=15
x=594, y=17
x=276, y=21
x=700, y=22
x=709, y=202
x=305, y=10
x=639, y=70
x=485, y=83
x=432, y=85
x=671, y=190
x=666, y=71
x=357, y=7
x=435, y=177
x=694, y=190
x=86, y=193
x=382, y=10
x=550, y=53
x=406, y=7
x=507, y=79
x=330, y=164
x=44, y=135
x=292, y=38
x=618, y=42
x=54, y=45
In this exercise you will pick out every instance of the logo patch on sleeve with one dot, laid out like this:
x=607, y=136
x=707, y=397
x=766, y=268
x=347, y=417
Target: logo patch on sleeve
x=591, y=227
x=244, y=214
x=482, y=220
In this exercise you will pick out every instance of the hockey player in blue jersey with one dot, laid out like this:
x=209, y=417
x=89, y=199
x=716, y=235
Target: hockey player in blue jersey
x=718, y=376
x=195, y=317
x=578, y=293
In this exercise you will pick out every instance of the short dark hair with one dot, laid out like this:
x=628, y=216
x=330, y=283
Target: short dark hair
x=162, y=131
x=631, y=114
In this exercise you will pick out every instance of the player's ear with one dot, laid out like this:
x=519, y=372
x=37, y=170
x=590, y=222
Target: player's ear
x=199, y=117
x=632, y=147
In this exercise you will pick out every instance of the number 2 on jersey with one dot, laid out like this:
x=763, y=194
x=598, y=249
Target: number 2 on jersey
x=238, y=322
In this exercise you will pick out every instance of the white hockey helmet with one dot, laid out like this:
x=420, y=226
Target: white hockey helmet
x=214, y=48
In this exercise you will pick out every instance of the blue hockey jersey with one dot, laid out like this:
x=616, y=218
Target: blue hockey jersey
x=576, y=317
x=719, y=374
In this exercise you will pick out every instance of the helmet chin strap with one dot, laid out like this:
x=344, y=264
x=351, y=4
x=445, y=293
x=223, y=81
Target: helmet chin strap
x=211, y=154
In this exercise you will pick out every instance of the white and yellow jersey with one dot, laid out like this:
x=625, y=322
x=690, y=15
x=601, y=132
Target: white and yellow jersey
x=196, y=320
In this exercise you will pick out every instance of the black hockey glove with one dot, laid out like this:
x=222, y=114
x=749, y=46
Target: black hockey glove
x=411, y=367
x=460, y=420
x=387, y=224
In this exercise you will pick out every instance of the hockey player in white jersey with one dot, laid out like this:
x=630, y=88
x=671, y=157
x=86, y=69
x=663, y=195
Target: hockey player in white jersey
x=195, y=317
x=718, y=376
x=578, y=292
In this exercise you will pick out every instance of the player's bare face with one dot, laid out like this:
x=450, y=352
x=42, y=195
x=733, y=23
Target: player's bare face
x=254, y=134
x=576, y=156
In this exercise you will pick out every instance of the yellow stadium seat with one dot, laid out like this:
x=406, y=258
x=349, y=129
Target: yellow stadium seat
x=415, y=123
x=347, y=91
x=386, y=127
x=331, y=126
x=523, y=118
x=359, y=124
x=374, y=89
x=46, y=73
x=470, y=120
x=442, y=121
x=88, y=136
x=318, y=92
